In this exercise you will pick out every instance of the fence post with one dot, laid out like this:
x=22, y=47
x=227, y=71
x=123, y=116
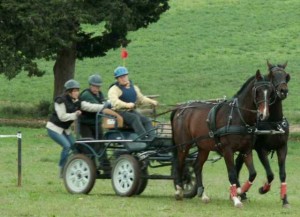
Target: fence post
x=19, y=136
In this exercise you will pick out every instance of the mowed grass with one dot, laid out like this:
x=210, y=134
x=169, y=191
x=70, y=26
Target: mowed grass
x=197, y=50
x=43, y=194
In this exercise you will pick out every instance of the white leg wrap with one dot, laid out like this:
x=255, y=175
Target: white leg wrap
x=178, y=193
x=205, y=198
x=237, y=203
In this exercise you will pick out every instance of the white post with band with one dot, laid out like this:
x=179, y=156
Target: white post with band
x=19, y=138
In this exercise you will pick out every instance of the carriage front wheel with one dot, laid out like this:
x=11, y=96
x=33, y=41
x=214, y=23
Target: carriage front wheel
x=79, y=174
x=126, y=175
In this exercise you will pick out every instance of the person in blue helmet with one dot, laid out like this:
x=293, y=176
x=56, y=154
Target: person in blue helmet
x=124, y=96
x=67, y=109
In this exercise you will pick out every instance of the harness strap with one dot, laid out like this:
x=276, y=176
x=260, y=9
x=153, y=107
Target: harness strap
x=232, y=129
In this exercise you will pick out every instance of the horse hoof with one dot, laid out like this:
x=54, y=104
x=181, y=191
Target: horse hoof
x=178, y=193
x=178, y=197
x=243, y=197
x=262, y=191
x=205, y=199
x=286, y=206
x=237, y=203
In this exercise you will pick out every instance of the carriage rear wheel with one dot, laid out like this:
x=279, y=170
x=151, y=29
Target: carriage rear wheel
x=126, y=175
x=79, y=174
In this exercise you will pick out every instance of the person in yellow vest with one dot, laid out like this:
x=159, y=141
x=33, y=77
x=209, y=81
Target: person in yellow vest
x=124, y=96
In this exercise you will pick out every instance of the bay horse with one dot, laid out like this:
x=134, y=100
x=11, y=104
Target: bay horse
x=224, y=127
x=266, y=144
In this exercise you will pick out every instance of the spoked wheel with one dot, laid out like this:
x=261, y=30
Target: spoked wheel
x=126, y=176
x=79, y=174
x=189, y=181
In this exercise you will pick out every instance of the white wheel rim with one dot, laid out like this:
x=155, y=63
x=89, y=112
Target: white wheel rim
x=123, y=176
x=78, y=175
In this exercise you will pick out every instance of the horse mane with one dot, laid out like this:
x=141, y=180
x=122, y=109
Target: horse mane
x=244, y=86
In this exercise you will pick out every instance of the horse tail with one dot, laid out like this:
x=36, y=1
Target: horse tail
x=175, y=151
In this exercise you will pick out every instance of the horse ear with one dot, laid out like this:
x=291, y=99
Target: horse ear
x=285, y=64
x=270, y=65
x=288, y=77
x=258, y=75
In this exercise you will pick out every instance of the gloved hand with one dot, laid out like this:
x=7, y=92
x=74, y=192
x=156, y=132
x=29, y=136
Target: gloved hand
x=154, y=103
x=106, y=104
x=130, y=105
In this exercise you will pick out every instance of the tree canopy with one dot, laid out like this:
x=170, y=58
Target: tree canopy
x=52, y=29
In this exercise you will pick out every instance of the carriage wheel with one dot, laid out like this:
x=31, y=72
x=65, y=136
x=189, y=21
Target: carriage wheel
x=79, y=174
x=189, y=181
x=143, y=182
x=126, y=175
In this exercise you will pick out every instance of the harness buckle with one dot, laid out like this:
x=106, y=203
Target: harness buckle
x=283, y=124
x=211, y=134
x=249, y=130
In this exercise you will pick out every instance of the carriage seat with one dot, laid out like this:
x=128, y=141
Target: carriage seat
x=112, y=120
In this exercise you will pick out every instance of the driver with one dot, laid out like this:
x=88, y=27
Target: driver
x=124, y=96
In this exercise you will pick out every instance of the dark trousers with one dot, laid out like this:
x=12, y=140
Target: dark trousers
x=141, y=125
x=89, y=131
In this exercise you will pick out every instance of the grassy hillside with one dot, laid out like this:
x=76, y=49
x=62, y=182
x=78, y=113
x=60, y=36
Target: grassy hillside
x=199, y=49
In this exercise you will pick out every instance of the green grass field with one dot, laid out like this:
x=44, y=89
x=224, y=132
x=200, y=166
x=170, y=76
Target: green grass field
x=199, y=49
x=43, y=194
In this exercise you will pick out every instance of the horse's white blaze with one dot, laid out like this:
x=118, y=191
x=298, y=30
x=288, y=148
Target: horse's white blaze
x=265, y=106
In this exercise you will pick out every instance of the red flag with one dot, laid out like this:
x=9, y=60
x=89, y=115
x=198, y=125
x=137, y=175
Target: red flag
x=124, y=53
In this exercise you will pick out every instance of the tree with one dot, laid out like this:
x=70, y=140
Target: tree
x=52, y=29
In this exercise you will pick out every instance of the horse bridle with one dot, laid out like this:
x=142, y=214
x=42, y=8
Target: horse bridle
x=274, y=81
x=259, y=84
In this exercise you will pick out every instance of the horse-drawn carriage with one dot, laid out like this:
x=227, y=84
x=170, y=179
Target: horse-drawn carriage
x=124, y=158
x=253, y=119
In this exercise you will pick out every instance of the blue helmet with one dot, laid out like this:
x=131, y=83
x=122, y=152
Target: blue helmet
x=120, y=71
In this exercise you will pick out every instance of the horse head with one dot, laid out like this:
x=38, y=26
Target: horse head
x=279, y=78
x=262, y=92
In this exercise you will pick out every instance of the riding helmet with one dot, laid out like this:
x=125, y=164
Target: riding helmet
x=71, y=84
x=95, y=80
x=120, y=71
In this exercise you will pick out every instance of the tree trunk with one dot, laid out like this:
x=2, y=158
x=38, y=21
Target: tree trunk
x=64, y=69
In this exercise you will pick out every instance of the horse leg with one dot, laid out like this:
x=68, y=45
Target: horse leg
x=263, y=157
x=232, y=175
x=248, y=159
x=281, y=154
x=179, y=164
x=201, y=158
x=239, y=161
